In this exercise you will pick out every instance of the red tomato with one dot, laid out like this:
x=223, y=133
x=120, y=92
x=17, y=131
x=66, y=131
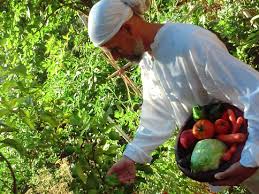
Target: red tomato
x=222, y=126
x=203, y=129
x=187, y=138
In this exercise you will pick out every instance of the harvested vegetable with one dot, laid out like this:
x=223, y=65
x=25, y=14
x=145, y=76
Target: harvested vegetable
x=197, y=113
x=239, y=122
x=232, y=118
x=203, y=129
x=225, y=116
x=207, y=154
x=232, y=138
x=187, y=138
x=231, y=115
x=230, y=152
x=222, y=126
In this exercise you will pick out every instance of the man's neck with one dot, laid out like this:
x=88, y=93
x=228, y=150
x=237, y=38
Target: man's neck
x=148, y=33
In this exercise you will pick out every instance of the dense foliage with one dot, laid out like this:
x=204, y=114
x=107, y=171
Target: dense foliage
x=60, y=114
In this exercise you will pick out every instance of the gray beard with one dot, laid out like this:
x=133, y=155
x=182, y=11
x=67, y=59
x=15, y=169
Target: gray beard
x=138, y=51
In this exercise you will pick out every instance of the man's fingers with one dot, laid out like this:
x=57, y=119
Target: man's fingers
x=234, y=175
x=124, y=169
x=220, y=175
x=126, y=176
x=227, y=182
x=112, y=170
x=123, y=176
x=227, y=173
x=127, y=179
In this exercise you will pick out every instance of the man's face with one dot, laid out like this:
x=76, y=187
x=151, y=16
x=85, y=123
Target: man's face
x=125, y=46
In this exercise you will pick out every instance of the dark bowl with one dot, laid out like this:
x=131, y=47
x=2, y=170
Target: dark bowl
x=183, y=156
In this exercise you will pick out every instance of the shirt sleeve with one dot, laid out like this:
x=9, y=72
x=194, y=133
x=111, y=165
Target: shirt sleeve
x=156, y=120
x=148, y=138
x=145, y=141
x=233, y=81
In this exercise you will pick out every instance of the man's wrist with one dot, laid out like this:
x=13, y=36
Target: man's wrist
x=129, y=159
x=245, y=166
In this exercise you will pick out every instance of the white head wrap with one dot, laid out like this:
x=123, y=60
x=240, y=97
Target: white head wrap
x=107, y=16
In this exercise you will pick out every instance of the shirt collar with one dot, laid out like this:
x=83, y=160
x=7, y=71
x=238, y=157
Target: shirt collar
x=155, y=45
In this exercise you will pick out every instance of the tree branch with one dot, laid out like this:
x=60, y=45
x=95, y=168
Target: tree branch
x=12, y=173
x=47, y=18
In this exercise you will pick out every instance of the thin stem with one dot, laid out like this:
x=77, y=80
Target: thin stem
x=12, y=173
x=46, y=19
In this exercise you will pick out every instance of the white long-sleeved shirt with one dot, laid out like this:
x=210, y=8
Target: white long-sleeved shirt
x=190, y=66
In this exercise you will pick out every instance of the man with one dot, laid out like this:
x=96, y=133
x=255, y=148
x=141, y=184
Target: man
x=182, y=65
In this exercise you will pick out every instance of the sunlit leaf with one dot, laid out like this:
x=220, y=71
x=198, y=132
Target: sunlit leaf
x=92, y=191
x=113, y=135
x=92, y=181
x=29, y=122
x=4, y=112
x=47, y=117
x=210, y=2
x=21, y=69
x=112, y=180
x=6, y=128
x=14, y=144
x=79, y=171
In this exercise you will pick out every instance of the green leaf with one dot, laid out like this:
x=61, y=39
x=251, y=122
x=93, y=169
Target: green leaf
x=140, y=179
x=210, y=2
x=112, y=150
x=155, y=157
x=21, y=69
x=1, y=159
x=80, y=173
x=113, y=135
x=29, y=122
x=88, y=148
x=14, y=144
x=4, y=112
x=145, y=168
x=69, y=149
x=75, y=120
x=92, y=191
x=50, y=119
x=92, y=181
x=7, y=129
x=8, y=85
x=112, y=180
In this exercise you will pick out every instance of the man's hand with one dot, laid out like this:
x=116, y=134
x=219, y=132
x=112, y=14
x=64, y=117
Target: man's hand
x=125, y=170
x=234, y=175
